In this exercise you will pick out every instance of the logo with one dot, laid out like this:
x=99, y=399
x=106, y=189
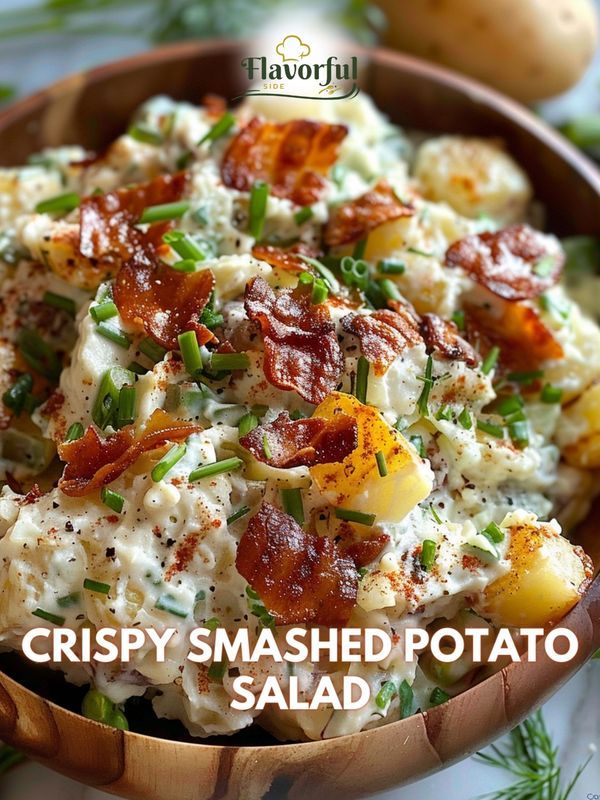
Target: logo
x=292, y=73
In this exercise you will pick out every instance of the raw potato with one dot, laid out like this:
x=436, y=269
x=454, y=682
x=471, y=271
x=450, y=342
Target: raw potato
x=474, y=176
x=546, y=578
x=530, y=49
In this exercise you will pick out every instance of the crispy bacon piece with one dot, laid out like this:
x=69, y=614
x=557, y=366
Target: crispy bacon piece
x=364, y=551
x=286, y=258
x=442, y=336
x=383, y=335
x=293, y=157
x=356, y=219
x=516, y=263
x=302, y=353
x=162, y=301
x=107, y=221
x=305, y=442
x=524, y=340
x=93, y=462
x=300, y=577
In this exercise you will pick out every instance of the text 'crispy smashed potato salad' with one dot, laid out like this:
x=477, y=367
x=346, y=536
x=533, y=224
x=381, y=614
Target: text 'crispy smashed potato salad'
x=292, y=372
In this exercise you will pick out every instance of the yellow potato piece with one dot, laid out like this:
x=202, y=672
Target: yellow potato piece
x=545, y=581
x=355, y=482
x=585, y=451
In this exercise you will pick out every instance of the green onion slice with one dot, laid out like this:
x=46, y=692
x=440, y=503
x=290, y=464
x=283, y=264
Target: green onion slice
x=257, y=211
x=96, y=586
x=113, y=500
x=60, y=204
x=220, y=128
x=60, y=302
x=168, y=461
x=163, y=212
x=216, y=468
x=355, y=516
x=292, y=504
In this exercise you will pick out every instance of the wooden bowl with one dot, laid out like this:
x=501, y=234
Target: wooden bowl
x=91, y=108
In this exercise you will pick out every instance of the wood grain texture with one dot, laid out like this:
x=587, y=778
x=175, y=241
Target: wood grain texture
x=94, y=107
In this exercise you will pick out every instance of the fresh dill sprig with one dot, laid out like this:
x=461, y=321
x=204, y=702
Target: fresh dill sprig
x=532, y=758
x=9, y=757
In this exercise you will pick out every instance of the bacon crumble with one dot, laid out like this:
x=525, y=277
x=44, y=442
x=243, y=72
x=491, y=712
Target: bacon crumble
x=515, y=263
x=293, y=157
x=383, y=335
x=302, y=352
x=93, y=462
x=355, y=219
x=303, y=442
x=301, y=577
x=286, y=258
x=442, y=336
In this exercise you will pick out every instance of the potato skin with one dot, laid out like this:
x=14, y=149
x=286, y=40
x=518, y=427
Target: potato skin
x=529, y=49
x=547, y=577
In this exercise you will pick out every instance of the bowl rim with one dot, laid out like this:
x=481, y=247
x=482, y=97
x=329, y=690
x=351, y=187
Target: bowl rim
x=586, y=171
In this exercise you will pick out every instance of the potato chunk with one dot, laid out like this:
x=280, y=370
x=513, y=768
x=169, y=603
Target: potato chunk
x=355, y=482
x=582, y=421
x=546, y=579
x=474, y=176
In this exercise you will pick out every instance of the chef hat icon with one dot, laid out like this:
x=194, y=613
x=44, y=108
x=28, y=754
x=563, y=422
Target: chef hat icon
x=291, y=48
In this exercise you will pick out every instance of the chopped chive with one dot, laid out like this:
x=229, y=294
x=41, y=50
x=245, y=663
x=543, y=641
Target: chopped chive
x=406, y=696
x=320, y=292
x=465, y=419
x=292, y=504
x=362, y=379
x=46, y=615
x=428, y=554
x=266, y=448
x=247, y=423
x=184, y=265
x=423, y=401
x=62, y=203
x=228, y=361
x=38, y=354
x=381, y=463
x=209, y=317
x=146, y=134
x=417, y=442
x=355, y=516
x=103, y=311
x=212, y=623
x=112, y=499
x=241, y=512
x=168, y=603
x=519, y=433
x=362, y=571
x=105, y=406
x=490, y=361
x=303, y=215
x=385, y=694
x=68, y=600
x=324, y=272
x=75, y=432
x=257, y=211
x=435, y=514
x=126, y=406
x=190, y=351
x=509, y=405
x=354, y=273
x=163, y=212
x=96, y=586
x=15, y=397
x=418, y=252
x=374, y=296
x=168, y=461
x=359, y=249
x=152, y=349
x=491, y=428
x=216, y=468
x=526, y=377
x=389, y=266
x=220, y=128
x=445, y=412
x=113, y=334
x=137, y=368
x=389, y=289
x=217, y=670
x=437, y=697
x=60, y=302
x=493, y=532
x=401, y=424
x=551, y=394
x=544, y=266
x=458, y=318
x=183, y=244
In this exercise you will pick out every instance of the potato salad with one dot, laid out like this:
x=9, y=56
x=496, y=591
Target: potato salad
x=286, y=365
